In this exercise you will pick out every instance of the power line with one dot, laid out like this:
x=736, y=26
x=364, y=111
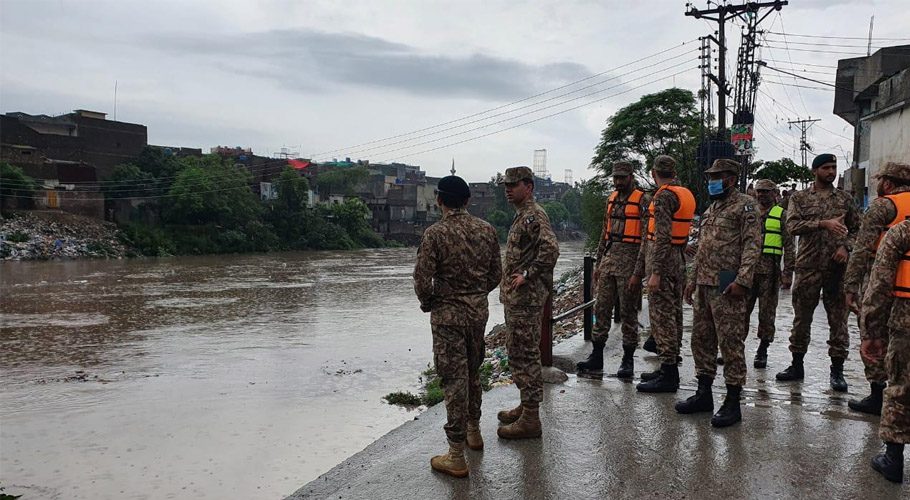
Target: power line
x=841, y=37
x=855, y=54
x=843, y=46
x=798, y=86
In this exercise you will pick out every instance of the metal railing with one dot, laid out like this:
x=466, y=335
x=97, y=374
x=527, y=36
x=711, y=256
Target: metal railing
x=587, y=306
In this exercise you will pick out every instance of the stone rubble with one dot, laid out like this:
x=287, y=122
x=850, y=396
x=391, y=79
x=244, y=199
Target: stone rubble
x=57, y=235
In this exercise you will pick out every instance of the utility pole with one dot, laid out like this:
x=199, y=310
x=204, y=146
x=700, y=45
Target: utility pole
x=804, y=146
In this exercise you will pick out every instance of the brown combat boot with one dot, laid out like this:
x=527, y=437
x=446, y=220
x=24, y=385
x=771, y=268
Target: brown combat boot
x=474, y=439
x=527, y=426
x=452, y=463
x=509, y=416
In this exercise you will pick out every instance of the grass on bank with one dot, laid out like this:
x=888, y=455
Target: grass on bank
x=432, y=393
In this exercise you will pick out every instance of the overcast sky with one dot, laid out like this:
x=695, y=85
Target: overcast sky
x=324, y=77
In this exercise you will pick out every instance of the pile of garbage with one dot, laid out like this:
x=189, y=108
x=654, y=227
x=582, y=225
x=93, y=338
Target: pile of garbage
x=58, y=235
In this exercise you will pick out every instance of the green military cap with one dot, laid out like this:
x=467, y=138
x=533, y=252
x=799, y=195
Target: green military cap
x=765, y=185
x=664, y=163
x=515, y=174
x=622, y=168
x=724, y=165
x=894, y=170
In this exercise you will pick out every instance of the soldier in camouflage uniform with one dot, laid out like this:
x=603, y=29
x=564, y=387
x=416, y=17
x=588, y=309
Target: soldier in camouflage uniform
x=891, y=206
x=729, y=247
x=888, y=296
x=527, y=281
x=662, y=260
x=768, y=277
x=625, y=227
x=826, y=221
x=458, y=265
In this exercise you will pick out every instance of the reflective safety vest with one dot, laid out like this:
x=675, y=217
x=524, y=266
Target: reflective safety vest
x=902, y=204
x=682, y=218
x=774, y=240
x=631, y=215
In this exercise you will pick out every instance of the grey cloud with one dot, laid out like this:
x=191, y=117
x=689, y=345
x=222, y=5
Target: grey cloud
x=303, y=60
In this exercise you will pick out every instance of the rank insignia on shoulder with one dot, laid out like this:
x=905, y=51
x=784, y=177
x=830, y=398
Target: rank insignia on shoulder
x=530, y=219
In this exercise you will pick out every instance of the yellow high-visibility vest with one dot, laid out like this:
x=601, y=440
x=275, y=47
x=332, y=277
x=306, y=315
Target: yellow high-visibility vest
x=774, y=239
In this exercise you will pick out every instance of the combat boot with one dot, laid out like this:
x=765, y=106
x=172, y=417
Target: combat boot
x=646, y=376
x=667, y=381
x=627, y=366
x=871, y=404
x=890, y=463
x=650, y=345
x=474, y=439
x=794, y=371
x=702, y=401
x=837, y=375
x=729, y=412
x=761, y=355
x=509, y=416
x=527, y=426
x=452, y=463
x=595, y=361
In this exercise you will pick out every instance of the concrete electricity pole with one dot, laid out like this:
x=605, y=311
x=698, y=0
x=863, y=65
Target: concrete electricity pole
x=804, y=146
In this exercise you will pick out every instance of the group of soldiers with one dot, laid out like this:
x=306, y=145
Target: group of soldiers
x=848, y=260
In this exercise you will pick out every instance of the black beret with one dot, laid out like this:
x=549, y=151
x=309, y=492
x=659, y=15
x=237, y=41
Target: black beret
x=822, y=159
x=455, y=186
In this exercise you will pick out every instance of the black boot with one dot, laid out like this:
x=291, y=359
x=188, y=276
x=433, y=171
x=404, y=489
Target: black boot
x=646, y=376
x=837, y=375
x=595, y=361
x=890, y=463
x=627, y=366
x=795, y=370
x=667, y=381
x=871, y=404
x=761, y=356
x=729, y=413
x=702, y=400
x=650, y=345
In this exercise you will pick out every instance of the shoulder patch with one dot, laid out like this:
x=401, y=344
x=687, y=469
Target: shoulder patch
x=748, y=207
x=530, y=219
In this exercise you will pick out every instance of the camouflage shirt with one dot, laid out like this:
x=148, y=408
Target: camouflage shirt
x=809, y=207
x=878, y=299
x=880, y=213
x=457, y=267
x=770, y=264
x=531, y=248
x=620, y=258
x=729, y=240
x=660, y=256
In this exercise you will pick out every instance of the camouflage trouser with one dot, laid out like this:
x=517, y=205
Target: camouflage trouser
x=807, y=287
x=719, y=320
x=895, y=422
x=765, y=291
x=609, y=290
x=874, y=327
x=458, y=353
x=665, y=313
x=523, y=345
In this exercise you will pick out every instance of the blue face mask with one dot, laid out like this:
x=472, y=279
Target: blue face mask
x=716, y=187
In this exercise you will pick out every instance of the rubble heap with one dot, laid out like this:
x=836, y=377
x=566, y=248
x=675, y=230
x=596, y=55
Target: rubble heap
x=58, y=235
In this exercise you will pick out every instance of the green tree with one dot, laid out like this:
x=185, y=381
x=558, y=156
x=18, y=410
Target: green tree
x=212, y=191
x=341, y=180
x=557, y=213
x=129, y=181
x=161, y=165
x=572, y=201
x=783, y=170
x=15, y=184
x=292, y=191
x=593, y=194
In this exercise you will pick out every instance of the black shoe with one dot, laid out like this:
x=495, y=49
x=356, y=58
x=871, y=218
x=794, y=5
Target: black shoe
x=837, y=375
x=595, y=361
x=627, y=366
x=794, y=371
x=890, y=463
x=650, y=345
x=871, y=404
x=702, y=401
x=761, y=356
x=719, y=360
x=667, y=381
x=646, y=376
x=729, y=412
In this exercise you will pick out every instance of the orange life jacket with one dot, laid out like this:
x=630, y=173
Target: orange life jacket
x=902, y=204
x=631, y=215
x=682, y=218
x=902, y=280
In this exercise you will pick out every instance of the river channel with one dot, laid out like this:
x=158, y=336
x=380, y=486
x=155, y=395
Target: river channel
x=241, y=376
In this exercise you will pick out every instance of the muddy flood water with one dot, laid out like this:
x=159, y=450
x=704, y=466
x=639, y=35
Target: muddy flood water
x=204, y=377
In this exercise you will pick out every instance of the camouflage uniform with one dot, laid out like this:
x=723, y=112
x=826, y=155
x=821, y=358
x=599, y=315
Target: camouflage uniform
x=458, y=264
x=729, y=240
x=616, y=263
x=878, y=300
x=816, y=272
x=766, y=282
x=531, y=249
x=875, y=222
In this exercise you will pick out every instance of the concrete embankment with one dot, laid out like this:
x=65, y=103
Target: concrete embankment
x=43, y=235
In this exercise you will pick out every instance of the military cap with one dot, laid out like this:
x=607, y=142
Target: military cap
x=724, y=165
x=664, y=163
x=454, y=185
x=622, y=168
x=823, y=159
x=765, y=185
x=515, y=174
x=894, y=170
